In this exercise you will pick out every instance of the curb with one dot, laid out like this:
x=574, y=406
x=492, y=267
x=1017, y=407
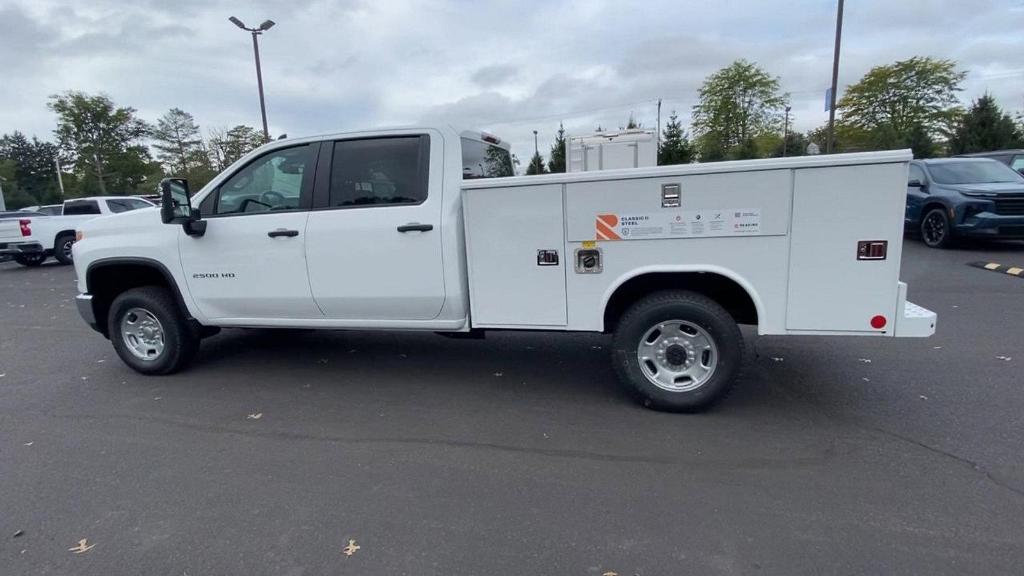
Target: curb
x=1017, y=271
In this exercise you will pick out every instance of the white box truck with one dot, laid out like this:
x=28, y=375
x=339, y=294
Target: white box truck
x=631, y=148
x=382, y=230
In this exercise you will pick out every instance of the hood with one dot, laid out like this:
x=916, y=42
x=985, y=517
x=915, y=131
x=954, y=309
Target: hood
x=989, y=189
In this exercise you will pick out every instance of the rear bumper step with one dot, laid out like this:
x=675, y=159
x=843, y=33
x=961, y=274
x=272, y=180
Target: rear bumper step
x=913, y=321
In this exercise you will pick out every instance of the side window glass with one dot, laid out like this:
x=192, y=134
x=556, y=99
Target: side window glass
x=1018, y=163
x=379, y=171
x=272, y=182
x=81, y=207
x=118, y=206
x=916, y=174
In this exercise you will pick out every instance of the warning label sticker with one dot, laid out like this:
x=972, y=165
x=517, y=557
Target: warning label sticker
x=679, y=224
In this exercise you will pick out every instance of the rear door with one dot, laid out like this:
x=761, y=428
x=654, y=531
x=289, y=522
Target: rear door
x=374, y=235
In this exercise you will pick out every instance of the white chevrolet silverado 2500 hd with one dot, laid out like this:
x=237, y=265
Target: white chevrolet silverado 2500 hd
x=427, y=229
x=33, y=239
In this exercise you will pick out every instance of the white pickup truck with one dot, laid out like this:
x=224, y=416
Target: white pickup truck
x=427, y=229
x=33, y=239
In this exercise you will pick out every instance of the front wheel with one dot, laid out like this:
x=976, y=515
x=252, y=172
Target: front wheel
x=62, y=248
x=149, y=331
x=935, y=229
x=677, y=351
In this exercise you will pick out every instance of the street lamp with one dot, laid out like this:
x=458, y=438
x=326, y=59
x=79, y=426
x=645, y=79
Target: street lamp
x=835, y=79
x=267, y=25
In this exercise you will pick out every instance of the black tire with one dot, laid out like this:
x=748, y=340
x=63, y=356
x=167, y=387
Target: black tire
x=180, y=339
x=30, y=260
x=695, y=310
x=936, y=231
x=62, y=248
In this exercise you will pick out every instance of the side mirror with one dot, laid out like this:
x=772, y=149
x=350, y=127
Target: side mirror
x=915, y=183
x=176, y=206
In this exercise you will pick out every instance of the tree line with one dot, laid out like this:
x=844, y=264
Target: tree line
x=102, y=148
x=741, y=114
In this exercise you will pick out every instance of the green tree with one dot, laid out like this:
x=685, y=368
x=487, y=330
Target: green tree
x=33, y=171
x=675, y=147
x=556, y=161
x=632, y=124
x=536, y=165
x=180, y=146
x=795, y=144
x=227, y=146
x=983, y=128
x=102, y=140
x=736, y=105
x=889, y=103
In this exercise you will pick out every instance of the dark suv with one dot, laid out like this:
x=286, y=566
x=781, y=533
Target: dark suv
x=1012, y=158
x=977, y=197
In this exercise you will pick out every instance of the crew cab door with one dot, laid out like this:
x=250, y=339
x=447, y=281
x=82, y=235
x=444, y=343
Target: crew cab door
x=251, y=263
x=374, y=235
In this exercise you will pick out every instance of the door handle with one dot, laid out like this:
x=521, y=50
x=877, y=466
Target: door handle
x=415, y=227
x=283, y=232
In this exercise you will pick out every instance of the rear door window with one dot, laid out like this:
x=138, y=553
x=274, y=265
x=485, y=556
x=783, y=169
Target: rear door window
x=379, y=172
x=81, y=207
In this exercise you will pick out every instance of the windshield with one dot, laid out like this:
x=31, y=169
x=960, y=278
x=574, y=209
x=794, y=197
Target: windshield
x=973, y=172
x=482, y=160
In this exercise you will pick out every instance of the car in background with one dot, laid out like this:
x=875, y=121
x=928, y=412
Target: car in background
x=949, y=198
x=1012, y=158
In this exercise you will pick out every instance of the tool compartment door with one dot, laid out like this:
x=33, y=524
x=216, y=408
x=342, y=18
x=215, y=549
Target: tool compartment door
x=505, y=228
x=835, y=208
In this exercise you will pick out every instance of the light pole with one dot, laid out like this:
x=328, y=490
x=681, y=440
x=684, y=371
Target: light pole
x=536, y=151
x=60, y=181
x=267, y=25
x=835, y=80
x=785, y=132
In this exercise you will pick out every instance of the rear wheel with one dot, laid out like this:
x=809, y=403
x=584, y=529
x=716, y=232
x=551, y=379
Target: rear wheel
x=62, y=248
x=677, y=351
x=149, y=332
x=935, y=229
x=30, y=260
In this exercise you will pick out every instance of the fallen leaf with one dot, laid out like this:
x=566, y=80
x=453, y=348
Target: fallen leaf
x=351, y=548
x=923, y=397
x=936, y=347
x=610, y=574
x=29, y=443
x=866, y=379
x=18, y=533
x=83, y=546
x=777, y=359
x=85, y=377
x=255, y=416
x=1004, y=358
x=865, y=360
x=3, y=374
x=100, y=361
x=499, y=374
x=157, y=397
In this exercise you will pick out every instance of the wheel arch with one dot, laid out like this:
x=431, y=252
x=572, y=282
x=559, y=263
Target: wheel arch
x=725, y=286
x=106, y=278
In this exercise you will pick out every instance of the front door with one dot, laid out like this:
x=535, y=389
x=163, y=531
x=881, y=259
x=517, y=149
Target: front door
x=374, y=236
x=251, y=263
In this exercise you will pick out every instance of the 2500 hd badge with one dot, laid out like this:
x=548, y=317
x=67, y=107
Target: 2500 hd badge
x=203, y=276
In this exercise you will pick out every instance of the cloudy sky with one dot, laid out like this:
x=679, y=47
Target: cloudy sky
x=506, y=66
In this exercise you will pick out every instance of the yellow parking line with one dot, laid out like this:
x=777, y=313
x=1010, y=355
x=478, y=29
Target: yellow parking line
x=1015, y=271
x=991, y=266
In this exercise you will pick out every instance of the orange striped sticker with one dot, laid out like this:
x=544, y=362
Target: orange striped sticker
x=605, y=227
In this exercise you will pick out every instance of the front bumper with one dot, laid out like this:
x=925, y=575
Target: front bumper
x=989, y=225
x=85, y=309
x=20, y=248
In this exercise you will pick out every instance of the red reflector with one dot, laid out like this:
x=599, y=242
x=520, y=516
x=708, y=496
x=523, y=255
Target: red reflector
x=878, y=322
x=26, y=228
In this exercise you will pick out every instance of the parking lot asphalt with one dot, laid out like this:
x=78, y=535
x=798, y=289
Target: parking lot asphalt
x=517, y=454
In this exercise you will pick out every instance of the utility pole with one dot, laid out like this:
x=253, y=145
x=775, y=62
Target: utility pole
x=267, y=25
x=835, y=80
x=659, y=125
x=536, y=150
x=785, y=132
x=60, y=180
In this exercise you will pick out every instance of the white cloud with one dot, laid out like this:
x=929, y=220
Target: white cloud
x=510, y=67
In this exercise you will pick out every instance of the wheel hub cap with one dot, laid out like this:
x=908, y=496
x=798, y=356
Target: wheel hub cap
x=677, y=355
x=143, y=334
